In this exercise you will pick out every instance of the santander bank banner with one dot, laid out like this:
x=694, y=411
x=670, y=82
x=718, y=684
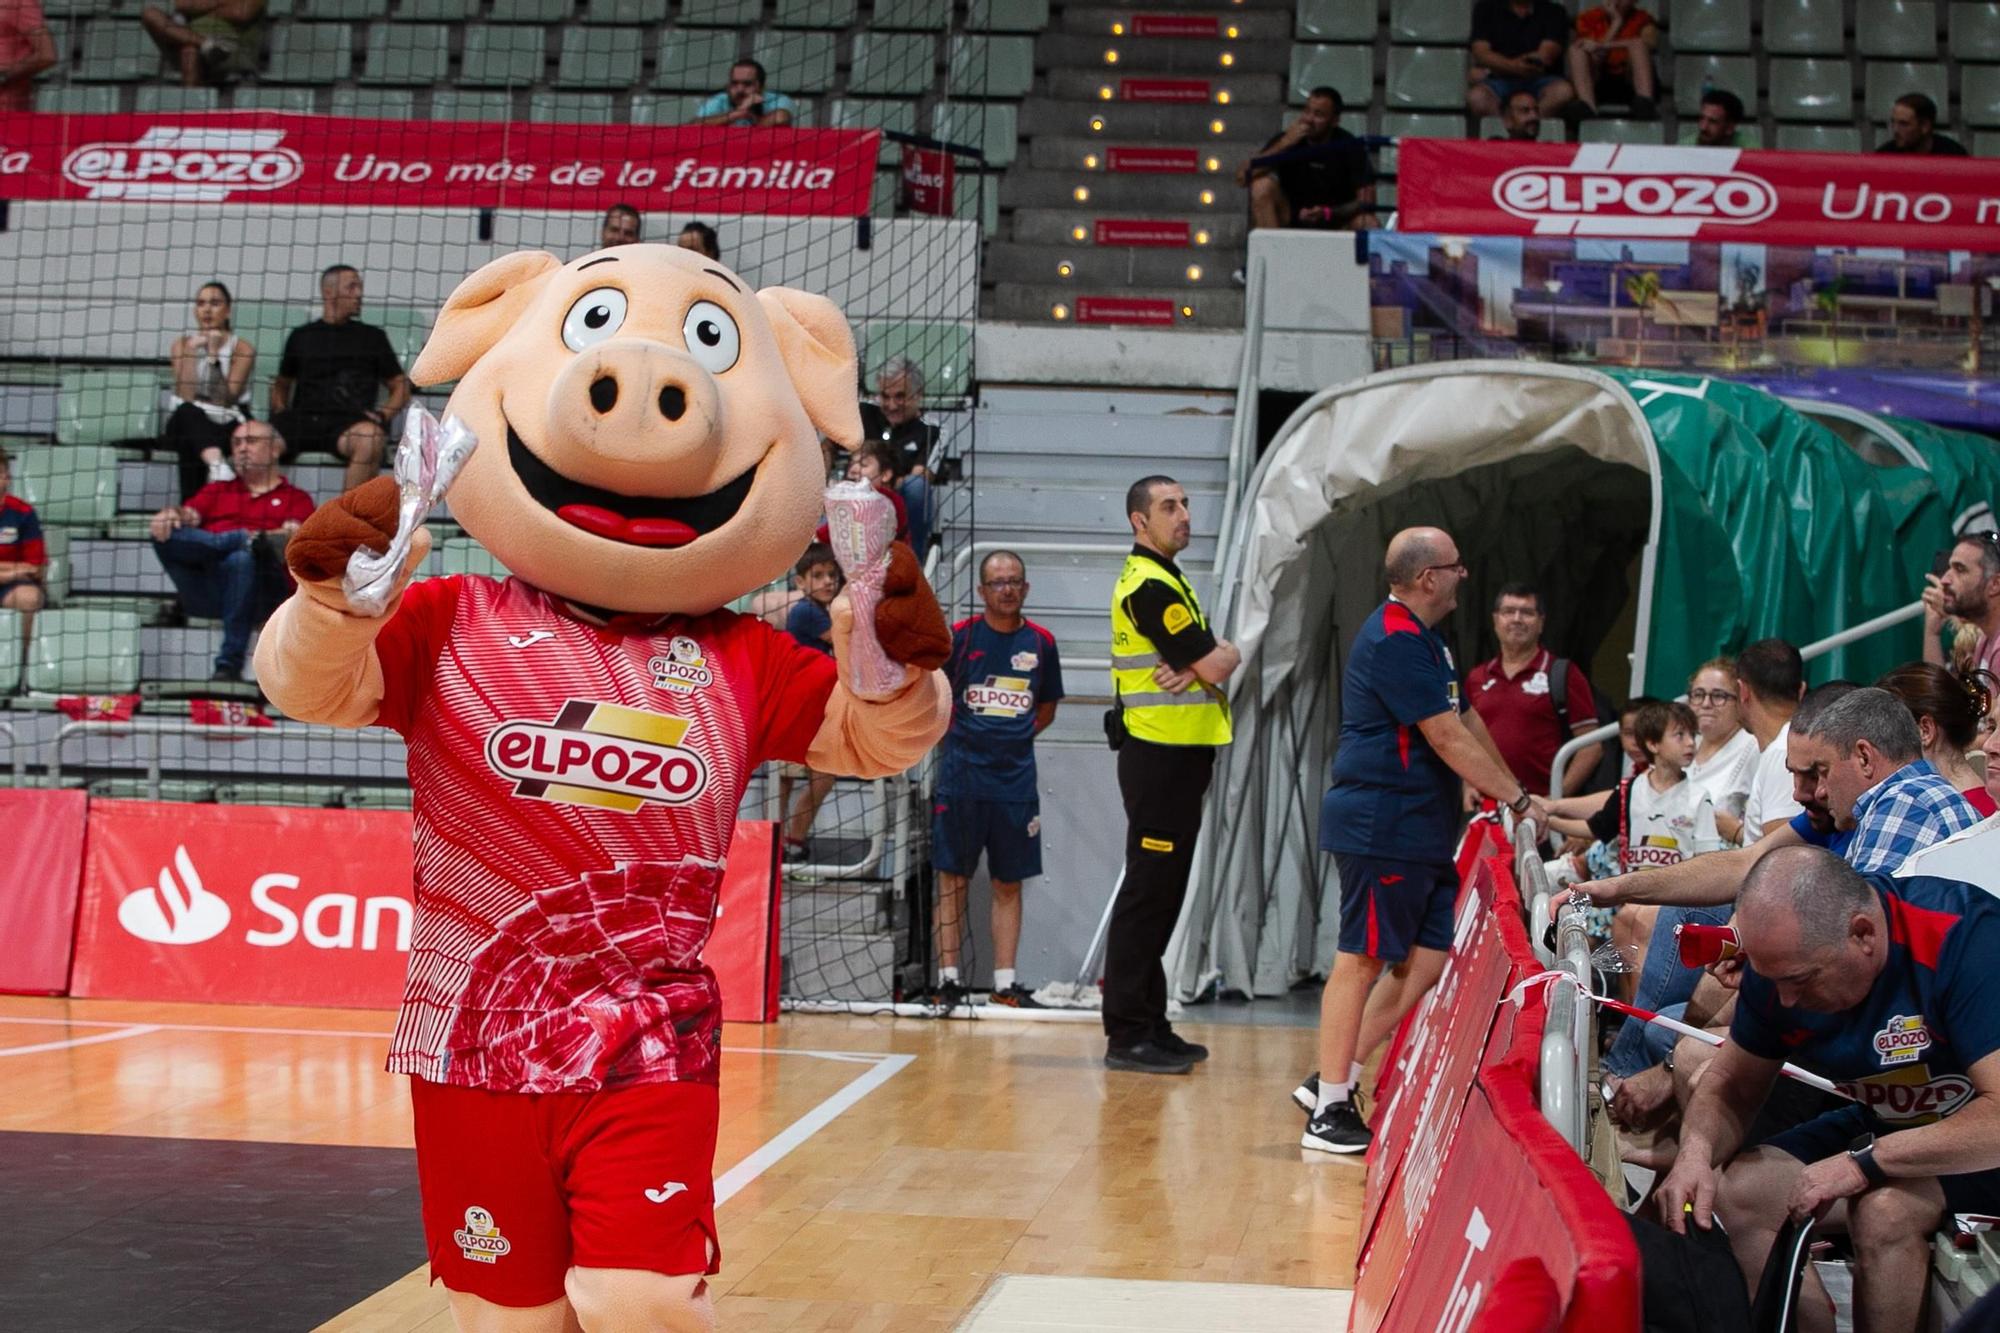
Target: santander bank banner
x=1715, y=195
x=265, y=157
x=278, y=905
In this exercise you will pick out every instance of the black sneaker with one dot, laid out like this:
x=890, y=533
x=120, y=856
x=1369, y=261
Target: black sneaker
x=1306, y=1095
x=1338, y=1129
x=1146, y=1057
x=227, y=675
x=945, y=996
x=1171, y=1040
x=1017, y=996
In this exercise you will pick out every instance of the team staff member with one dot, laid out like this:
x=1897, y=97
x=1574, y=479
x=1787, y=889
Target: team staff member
x=1168, y=670
x=1407, y=739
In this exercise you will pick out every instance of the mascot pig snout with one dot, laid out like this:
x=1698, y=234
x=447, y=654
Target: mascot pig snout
x=633, y=401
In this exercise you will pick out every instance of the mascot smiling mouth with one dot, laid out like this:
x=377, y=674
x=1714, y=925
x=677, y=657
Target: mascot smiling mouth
x=637, y=520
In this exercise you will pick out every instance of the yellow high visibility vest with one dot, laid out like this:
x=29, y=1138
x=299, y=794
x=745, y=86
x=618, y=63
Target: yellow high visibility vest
x=1198, y=716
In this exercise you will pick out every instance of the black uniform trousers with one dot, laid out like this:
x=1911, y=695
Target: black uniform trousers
x=1163, y=787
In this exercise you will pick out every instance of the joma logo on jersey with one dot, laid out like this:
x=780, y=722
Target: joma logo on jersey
x=682, y=670
x=1903, y=1039
x=1000, y=696
x=599, y=754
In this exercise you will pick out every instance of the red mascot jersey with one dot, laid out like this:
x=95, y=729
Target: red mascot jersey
x=574, y=791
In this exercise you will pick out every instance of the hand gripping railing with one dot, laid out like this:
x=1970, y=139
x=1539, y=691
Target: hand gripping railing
x=1569, y=1031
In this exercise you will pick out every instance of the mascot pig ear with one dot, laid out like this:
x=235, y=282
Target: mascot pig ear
x=818, y=348
x=479, y=314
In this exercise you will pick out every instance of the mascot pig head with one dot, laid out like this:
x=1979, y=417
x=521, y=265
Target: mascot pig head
x=648, y=425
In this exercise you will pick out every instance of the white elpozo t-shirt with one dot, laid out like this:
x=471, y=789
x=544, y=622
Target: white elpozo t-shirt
x=1665, y=828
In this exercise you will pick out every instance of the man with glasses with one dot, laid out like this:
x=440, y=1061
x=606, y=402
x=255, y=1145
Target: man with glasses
x=1006, y=679
x=1966, y=591
x=1531, y=700
x=1407, y=741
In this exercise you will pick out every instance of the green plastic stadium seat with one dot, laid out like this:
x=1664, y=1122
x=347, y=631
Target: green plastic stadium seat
x=81, y=9
x=185, y=791
x=833, y=14
x=78, y=651
x=1819, y=138
x=695, y=62
x=319, y=53
x=1889, y=80
x=868, y=113
x=406, y=55
x=600, y=57
x=912, y=15
x=116, y=50
x=1418, y=77
x=1986, y=143
x=1748, y=135
x=1804, y=27
x=663, y=109
x=55, y=578
x=1897, y=29
x=465, y=556
x=103, y=406
x=1975, y=30
x=346, y=10
x=720, y=13
x=471, y=104
x=1979, y=94
x=635, y=13
x=1029, y=16
x=1694, y=75
x=78, y=99
x=376, y=798
x=1623, y=131
x=375, y=103
x=316, y=794
x=406, y=325
x=898, y=64
x=573, y=108
x=1490, y=127
x=1415, y=125
x=155, y=98
x=502, y=56
x=1334, y=20
x=993, y=129
x=1819, y=90
x=272, y=99
x=981, y=66
x=943, y=349
x=529, y=11
x=436, y=11
x=1351, y=69
x=1421, y=21
x=1710, y=25
x=796, y=62
x=75, y=485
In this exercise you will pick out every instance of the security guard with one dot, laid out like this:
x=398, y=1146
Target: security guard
x=1168, y=671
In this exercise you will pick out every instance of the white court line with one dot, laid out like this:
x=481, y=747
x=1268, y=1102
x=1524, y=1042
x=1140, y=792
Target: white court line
x=120, y=1035
x=807, y=1125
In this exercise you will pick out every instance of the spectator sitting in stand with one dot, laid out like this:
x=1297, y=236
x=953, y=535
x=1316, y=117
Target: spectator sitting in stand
x=1965, y=598
x=24, y=560
x=224, y=549
x=1520, y=118
x=1913, y=129
x=1517, y=44
x=211, y=41
x=874, y=461
x=211, y=391
x=26, y=49
x=810, y=623
x=324, y=397
x=1721, y=113
x=1725, y=763
x=621, y=226
x=700, y=238
x=1312, y=174
x=1612, y=58
x=897, y=416
x=744, y=102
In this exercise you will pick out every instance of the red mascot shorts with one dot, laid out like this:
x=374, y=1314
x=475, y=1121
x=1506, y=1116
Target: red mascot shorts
x=520, y=1187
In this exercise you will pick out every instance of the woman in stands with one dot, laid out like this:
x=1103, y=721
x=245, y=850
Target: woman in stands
x=1725, y=759
x=211, y=391
x=1949, y=708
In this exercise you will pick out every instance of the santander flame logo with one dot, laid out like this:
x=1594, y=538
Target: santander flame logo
x=175, y=911
x=1637, y=191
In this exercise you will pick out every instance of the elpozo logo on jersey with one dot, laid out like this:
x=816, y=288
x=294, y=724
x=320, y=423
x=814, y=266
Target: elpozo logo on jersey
x=1638, y=191
x=682, y=670
x=1902, y=1040
x=1909, y=1094
x=599, y=754
x=185, y=164
x=1001, y=696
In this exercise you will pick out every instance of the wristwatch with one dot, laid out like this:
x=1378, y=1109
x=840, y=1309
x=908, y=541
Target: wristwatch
x=1520, y=804
x=1862, y=1153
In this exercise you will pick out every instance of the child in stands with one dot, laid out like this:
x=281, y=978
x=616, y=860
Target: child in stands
x=810, y=622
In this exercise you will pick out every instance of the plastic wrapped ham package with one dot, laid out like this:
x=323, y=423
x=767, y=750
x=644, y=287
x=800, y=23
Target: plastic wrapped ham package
x=860, y=524
x=427, y=462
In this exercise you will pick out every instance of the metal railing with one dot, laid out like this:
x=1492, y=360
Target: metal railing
x=1569, y=1032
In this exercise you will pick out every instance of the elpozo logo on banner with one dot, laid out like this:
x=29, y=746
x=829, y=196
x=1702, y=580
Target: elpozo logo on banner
x=1659, y=193
x=185, y=164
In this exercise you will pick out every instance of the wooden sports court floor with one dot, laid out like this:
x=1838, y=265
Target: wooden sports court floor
x=168, y=1167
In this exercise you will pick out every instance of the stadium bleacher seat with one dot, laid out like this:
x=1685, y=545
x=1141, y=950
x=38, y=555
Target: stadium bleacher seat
x=573, y=108
x=77, y=651
x=825, y=14
x=154, y=98
x=1419, y=77
x=1334, y=21
x=471, y=104
x=357, y=11
x=1028, y=16
x=874, y=113
x=499, y=55
x=407, y=54
x=1604, y=130
x=318, y=794
x=462, y=555
x=625, y=13
x=1417, y=22
x=69, y=485
x=1812, y=89
x=1979, y=94
x=1804, y=27
x=1896, y=29
x=895, y=64
x=912, y=15
x=599, y=57
x=720, y=13
x=1693, y=75
x=529, y=11
x=273, y=99
x=1490, y=127
x=190, y=791
x=663, y=109
x=436, y=11
x=796, y=62
x=78, y=99
x=944, y=350
x=375, y=103
x=695, y=62
x=319, y=53
x=100, y=406
x=993, y=129
x=1709, y=25
x=1887, y=80
x=116, y=50
x=1986, y=143
x=1351, y=69
x=1975, y=30
x=1819, y=139
x=981, y=66
x=73, y=8
x=55, y=578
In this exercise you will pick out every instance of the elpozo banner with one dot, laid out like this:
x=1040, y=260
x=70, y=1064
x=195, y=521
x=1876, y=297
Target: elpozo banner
x=262, y=157
x=1715, y=195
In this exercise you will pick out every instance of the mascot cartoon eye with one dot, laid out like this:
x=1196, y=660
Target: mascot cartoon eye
x=596, y=315
x=711, y=337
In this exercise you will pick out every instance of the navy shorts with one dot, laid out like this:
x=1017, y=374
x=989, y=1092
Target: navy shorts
x=1820, y=1138
x=1505, y=87
x=1008, y=832
x=1389, y=907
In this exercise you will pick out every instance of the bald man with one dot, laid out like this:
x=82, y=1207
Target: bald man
x=1891, y=988
x=1407, y=741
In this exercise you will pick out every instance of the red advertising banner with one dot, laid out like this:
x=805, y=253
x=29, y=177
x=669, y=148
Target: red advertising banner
x=39, y=864
x=1141, y=231
x=274, y=158
x=1151, y=160
x=928, y=180
x=1124, y=310
x=1724, y=195
x=240, y=904
x=1164, y=90
x=1176, y=25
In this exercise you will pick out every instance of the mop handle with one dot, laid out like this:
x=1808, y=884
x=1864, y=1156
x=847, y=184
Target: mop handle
x=1792, y=1071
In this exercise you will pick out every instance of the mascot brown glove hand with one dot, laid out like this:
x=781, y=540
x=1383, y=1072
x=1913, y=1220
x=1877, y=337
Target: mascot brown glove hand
x=908, y=622
x=365, y=516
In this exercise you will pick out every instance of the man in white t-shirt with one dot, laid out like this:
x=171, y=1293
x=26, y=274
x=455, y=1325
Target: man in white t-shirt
x=1770, y=678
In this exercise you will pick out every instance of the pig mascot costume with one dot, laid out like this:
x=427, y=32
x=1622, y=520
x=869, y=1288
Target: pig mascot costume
x=579, y=740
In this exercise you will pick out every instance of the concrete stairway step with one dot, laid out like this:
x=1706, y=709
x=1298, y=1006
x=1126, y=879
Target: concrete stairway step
x=1213, y=57
x=1086, y=114
x=1263, y=24
x=1251, y=89
x=1056, y=226
x=1122, y=157
x=1210, y=310
x=1091, y=269
x=1143, y=196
